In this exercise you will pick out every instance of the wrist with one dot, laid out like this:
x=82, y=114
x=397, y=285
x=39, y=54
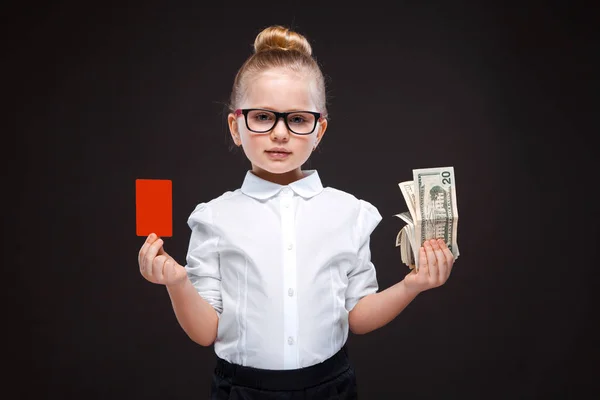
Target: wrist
x=177, y=285
x=410, y=290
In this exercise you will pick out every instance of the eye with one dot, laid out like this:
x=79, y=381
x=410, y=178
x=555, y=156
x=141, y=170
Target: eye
x=300, y=118
x=263, y=116
x=296, y=119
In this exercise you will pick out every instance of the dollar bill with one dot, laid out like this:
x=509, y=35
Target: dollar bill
x=432, y=212
x=405, y=240
x=408, y=191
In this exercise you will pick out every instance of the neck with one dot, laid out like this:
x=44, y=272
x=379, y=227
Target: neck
x=281, y=179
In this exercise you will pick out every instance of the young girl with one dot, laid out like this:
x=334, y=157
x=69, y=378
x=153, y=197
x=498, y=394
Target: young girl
x=280, y=269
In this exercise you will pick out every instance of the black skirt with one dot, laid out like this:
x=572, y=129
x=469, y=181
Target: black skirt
x=332, y=379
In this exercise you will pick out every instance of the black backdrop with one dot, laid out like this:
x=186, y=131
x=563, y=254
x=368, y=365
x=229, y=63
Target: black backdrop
x=102, y=95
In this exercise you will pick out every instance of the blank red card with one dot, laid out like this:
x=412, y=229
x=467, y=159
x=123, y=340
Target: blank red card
x=153, y=207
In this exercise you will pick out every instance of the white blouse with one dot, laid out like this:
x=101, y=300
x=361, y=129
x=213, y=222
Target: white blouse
x=282, y=266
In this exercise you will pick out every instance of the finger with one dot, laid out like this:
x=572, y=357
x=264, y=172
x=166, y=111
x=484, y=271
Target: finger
x=448, y=255
x=423, y=270
x=151, y=255
x=166, y=270
x=170, y=270
x=158, y=266
x=441, y=260
x=431, y=260
x=142, y=254
x=162, y=252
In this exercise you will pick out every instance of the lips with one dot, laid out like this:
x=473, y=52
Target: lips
x=278, y=150
x=278, y=153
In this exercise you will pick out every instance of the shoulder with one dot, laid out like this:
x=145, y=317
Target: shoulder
x=343, y=198
x=340, y=196
x=205, y=211
x=223, y=200
x=365, y=215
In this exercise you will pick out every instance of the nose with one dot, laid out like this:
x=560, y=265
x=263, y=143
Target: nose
x=280, y=131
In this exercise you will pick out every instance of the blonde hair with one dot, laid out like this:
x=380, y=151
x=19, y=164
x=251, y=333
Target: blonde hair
x=279, y=47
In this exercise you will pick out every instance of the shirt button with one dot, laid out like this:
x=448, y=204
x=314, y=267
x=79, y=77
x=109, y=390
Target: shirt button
x=285, y=190
x=290, y=340
x=290, y=292
x=290, y=246
x=286, y=205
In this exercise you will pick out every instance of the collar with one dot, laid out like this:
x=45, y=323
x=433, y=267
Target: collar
x=261, y=189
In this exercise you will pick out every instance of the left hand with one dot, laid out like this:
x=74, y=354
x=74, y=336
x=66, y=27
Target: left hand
x=435, y=265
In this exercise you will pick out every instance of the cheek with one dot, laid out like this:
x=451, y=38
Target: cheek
x=249, y=142
x=310, y=142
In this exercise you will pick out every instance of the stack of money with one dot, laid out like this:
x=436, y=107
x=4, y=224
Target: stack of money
x=432, y=212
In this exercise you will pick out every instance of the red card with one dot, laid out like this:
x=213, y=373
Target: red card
x=153, y=207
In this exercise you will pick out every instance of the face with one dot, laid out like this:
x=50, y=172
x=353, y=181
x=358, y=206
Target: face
x=282, y=91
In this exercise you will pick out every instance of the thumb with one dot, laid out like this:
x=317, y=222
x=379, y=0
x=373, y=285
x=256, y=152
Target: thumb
x=162, y=252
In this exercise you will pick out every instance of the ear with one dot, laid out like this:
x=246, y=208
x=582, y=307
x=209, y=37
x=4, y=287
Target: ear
x=320, y=132
x=233, y=129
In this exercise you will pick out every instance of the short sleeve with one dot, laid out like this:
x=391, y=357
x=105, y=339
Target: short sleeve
x=203, y=257
x=362, y=279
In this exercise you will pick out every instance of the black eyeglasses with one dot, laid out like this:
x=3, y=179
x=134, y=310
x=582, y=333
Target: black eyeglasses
x=261, y=121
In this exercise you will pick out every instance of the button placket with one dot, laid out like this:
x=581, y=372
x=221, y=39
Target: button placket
x=290, y=328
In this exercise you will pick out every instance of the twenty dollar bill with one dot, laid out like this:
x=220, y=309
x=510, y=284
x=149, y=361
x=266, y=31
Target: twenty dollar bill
x=432, y=212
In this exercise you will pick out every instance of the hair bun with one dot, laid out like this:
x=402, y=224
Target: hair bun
x=281, y=38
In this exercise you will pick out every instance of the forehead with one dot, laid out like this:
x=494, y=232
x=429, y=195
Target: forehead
x=280, y=90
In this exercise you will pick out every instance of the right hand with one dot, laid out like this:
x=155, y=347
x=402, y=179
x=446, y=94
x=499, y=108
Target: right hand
x=157, y=266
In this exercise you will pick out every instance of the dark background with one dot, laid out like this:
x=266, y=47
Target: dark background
x=99, y=96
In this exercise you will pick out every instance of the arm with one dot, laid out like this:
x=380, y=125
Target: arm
x=195, y=315
x=197, y=301
x=377, y=309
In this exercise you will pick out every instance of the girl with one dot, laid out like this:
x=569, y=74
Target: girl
x=280, y=269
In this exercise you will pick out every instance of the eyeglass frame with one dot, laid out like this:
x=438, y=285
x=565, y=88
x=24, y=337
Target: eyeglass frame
x=318, y=118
